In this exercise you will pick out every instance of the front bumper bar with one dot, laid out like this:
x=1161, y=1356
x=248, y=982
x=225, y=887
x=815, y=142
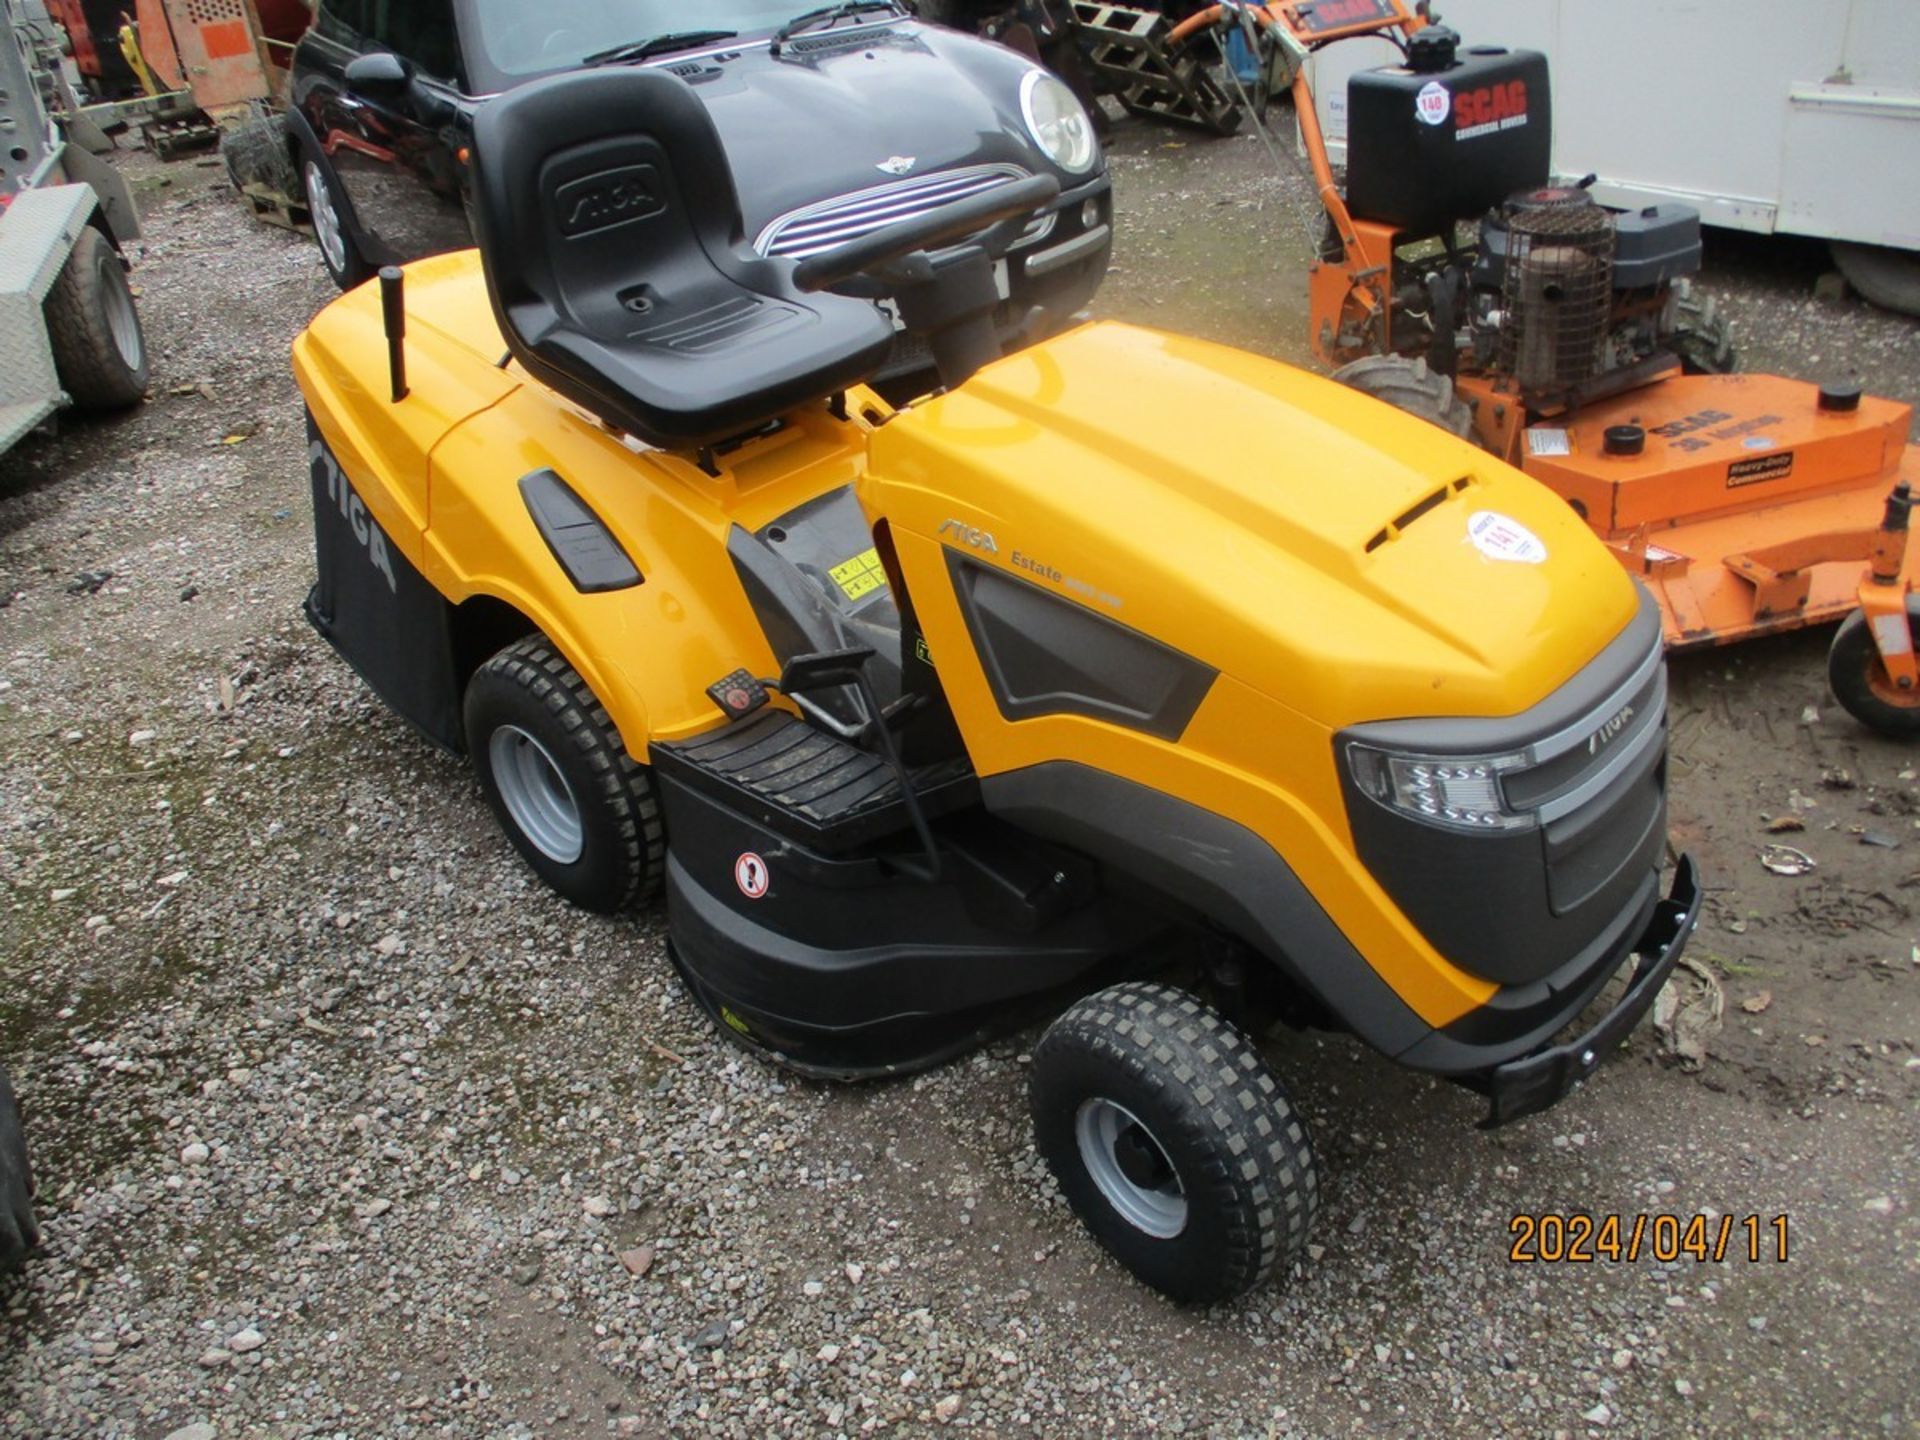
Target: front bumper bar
x=1538, y=1081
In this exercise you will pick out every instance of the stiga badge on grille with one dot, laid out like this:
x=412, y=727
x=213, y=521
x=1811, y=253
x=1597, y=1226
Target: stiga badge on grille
x=1501, y=537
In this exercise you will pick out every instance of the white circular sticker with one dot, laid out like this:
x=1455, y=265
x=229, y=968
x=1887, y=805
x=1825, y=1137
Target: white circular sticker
x=1434, y=103
x=1501, y=537
x=750, y=874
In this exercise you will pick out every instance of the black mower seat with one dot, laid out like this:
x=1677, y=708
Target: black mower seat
x=611, y=236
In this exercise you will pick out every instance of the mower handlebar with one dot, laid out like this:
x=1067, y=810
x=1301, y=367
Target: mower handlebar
x=937, y=227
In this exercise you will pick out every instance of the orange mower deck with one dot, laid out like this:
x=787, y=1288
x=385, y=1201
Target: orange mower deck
x=1748, y=509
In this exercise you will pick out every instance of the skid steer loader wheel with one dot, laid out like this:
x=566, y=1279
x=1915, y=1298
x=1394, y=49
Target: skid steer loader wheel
x=1411, y=386
x=576, y=805
x=1860, y=681
x=1173, y=1141
x=99, y=351
x=18, y=1232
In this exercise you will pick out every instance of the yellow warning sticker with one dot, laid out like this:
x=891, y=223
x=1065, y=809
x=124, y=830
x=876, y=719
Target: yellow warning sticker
x=860, y=576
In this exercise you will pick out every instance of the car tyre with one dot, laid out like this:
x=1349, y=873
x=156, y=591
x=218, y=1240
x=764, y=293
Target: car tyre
x=554, y=768
x=1173, y=1141
x=19, y=1233
x=99, y=350
x=331, y=234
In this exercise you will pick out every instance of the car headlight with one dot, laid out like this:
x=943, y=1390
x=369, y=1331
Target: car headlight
x=1058, y=122
x=1459, y=791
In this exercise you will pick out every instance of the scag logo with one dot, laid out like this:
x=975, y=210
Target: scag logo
x=1490, y=108
x=969, y=535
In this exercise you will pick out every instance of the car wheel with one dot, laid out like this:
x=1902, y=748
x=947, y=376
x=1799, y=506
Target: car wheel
x=99, y=351
x=1860, y=681
x=576, y=805
x=18, y=1231
x=1173, y=1141
x=337, y=249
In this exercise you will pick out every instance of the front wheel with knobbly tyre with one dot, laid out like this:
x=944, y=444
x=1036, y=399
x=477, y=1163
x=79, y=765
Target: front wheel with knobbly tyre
x=1860, y=681
x=99, y=351
x=18, y=1232
x=576, y=805
x=1412, y=386
x=1173, y=1141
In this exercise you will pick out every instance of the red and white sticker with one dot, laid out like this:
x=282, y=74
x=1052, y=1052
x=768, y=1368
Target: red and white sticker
x=1434, y=103
x=750, y=874
x=1501, y=537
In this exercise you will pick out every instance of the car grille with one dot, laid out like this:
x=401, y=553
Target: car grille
x=818, y=228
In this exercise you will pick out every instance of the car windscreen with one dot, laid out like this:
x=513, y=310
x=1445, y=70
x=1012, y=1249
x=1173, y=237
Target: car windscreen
x=513, y=40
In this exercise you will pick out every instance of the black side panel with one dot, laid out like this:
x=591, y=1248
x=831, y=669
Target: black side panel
x=586, y=550
x=845, y=967
x=1045, y=655
x=1219, y=868
x=377, y=610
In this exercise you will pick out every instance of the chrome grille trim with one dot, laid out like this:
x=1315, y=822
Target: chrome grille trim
x=820, y=227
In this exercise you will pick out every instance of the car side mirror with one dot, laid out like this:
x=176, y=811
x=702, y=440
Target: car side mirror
x=382, y=73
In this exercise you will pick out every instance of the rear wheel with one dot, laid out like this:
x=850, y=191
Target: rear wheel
x=1173, y=1141
x=1412, y=386
x=18, y=1231
x=99, y=350
x=1860, y=681
x=574, y=803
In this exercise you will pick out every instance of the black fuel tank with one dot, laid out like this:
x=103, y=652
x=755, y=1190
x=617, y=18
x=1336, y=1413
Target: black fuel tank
x=1427, y=148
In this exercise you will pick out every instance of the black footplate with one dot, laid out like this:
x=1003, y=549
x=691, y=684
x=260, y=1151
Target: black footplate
x=806, y=784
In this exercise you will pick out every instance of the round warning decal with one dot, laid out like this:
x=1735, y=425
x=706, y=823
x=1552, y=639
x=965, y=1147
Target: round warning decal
x=1434, y=103
x=1501, y=537
x=750, y=874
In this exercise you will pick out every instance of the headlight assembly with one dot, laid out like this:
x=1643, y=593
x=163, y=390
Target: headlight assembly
x=1058, y=122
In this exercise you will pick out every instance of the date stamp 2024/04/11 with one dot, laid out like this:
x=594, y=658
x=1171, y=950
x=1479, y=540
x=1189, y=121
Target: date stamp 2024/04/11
x=1589, y=1239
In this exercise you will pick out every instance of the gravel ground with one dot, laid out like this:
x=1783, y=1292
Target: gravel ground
x=347, y=1128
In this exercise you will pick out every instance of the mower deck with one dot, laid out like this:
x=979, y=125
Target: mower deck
x=1747, y=507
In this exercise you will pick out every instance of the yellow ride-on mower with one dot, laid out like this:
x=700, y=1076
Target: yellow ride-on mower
x=1034, y=696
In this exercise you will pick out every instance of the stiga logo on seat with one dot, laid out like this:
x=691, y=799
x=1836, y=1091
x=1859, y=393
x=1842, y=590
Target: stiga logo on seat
x=1489, y=109
x=326, y=468
x=613, y=197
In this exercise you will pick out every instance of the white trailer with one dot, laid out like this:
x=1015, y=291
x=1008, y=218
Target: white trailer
x=69, y=333
x=1800, y=117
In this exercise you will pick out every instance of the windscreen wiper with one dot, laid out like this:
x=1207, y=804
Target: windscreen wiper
x=657, y=45
x=827, y=15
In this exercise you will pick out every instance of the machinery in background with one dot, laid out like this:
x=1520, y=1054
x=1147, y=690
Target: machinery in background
x=1458, y=283
x=69, y=332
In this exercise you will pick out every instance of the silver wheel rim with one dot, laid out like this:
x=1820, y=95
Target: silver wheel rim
x=1130, y=1168
x=122, y=323
x=536, y=794
x=326, y=223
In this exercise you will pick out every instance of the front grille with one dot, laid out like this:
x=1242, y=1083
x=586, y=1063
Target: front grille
x=821, y=227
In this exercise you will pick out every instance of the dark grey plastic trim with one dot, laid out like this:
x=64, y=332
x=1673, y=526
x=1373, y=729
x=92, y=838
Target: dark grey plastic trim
x=583, y=545
x=1045, y=655
x=1218, y=867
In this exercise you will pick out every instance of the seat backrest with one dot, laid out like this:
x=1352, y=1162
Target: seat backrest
x=611, y=236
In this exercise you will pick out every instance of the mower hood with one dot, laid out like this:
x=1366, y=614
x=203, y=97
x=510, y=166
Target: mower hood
x=1342, y=558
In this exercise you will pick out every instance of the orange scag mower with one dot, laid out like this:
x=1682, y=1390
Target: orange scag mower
x=1457, y=282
